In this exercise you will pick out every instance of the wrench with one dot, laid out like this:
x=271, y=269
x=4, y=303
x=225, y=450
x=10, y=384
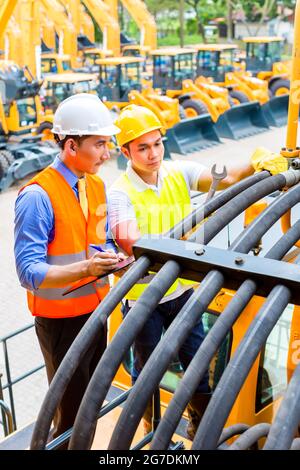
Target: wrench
x=216, y=178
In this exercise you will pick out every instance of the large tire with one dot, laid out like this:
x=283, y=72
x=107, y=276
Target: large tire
x=238, y=97
x=280, y=87
x=44, y=129
x=193, y=108
x=8, y=156
x=3, y=166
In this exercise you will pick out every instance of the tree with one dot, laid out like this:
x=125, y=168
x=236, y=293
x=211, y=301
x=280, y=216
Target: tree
x=206, y=10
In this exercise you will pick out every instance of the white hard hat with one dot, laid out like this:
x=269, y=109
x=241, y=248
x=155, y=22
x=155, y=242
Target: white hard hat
x=83, y=114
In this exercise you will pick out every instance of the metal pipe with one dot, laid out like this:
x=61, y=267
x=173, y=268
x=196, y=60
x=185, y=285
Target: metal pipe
x=291, y=149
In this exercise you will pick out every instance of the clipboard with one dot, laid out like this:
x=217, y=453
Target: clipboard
x=121, y=265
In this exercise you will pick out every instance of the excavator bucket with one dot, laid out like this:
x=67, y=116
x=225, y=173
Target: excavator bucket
x=192, y=135
x=242, y=121
x=276, y=110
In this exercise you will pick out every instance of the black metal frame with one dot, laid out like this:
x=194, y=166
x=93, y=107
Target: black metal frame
x=11, y=382
x=198, y=260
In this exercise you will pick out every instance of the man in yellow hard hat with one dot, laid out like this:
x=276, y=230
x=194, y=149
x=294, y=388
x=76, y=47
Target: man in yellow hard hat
x=149, y=198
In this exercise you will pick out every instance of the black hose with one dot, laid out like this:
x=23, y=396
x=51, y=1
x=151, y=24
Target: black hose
x=157, y=364
x=238, y=368
x=86, y=441
x=232, y=431
x=228, y=212
x=224, y=323
x=250, y=437
x=98, y=319
x=198, y=302
x=81, y=343
x=200, y=213
x=287, y=419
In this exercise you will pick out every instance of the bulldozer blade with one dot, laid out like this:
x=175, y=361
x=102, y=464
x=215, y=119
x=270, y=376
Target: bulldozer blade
x=276, y=110
x=192, y=135
x=241, y=121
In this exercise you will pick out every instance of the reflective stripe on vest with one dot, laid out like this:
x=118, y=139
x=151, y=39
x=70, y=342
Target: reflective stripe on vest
x=156, y=214
x=73, y=235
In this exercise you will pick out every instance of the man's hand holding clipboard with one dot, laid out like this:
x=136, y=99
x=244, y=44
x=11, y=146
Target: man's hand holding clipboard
x=122, y=264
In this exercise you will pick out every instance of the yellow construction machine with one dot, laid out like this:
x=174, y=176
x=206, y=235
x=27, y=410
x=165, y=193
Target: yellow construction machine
x=25, y=139
x=75, y=50
x=58, y=86
x=263, y=60
x=120, y=84
x=175, y=73
x=218, y=63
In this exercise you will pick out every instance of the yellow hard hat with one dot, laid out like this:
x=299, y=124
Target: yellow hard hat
x=135, y=121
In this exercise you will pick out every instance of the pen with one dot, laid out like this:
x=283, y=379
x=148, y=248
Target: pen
x=97, y=247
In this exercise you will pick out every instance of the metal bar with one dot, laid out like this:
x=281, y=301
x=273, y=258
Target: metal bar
x=8, y=424
x=9, y=382
x=4, y=422
x=197, y=260
x=65, y=437
x=22, y=377
x=17, y=332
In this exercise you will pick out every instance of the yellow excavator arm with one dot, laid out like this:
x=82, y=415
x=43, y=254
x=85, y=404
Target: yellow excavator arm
x=6, y=10
x=108, y=24
x=27, y=16
x=64, y=27
x=143, y=18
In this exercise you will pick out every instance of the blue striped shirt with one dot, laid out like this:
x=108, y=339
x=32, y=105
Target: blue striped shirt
x=34, y=229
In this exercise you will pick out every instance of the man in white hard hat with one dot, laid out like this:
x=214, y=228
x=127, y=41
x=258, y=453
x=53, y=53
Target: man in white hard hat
x=58, y=215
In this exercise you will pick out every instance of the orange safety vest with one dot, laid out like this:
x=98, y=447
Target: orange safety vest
x=73, y=235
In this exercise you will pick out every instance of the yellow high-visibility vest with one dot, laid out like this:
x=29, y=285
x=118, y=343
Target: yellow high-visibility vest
x=157, y=213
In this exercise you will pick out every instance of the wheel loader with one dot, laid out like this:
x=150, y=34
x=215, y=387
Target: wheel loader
x=121, y=84
x=218, y=63
x=175, y=70
x=24, y=126
x=263, y=60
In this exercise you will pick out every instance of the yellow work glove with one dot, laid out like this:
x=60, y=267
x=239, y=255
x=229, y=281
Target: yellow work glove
x=264, y=159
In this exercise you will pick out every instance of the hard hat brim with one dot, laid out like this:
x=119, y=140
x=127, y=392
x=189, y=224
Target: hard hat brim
x=146, y=131
x=105, y=131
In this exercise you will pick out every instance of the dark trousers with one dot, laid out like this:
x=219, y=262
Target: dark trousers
x=55, y=336
x=151, y=333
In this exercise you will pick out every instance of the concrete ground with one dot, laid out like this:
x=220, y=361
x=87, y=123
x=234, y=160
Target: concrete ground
x=23, y=350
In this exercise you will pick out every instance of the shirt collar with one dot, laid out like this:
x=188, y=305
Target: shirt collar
x=69, y=176
x=139, y=183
